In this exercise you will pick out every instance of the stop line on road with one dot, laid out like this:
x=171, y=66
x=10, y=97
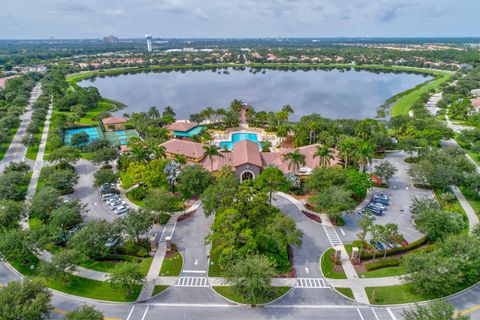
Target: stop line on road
x=192, y=282
x=311, y=283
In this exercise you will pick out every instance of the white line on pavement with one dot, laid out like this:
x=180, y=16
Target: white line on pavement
x=130, y=314
x=145, y=314
x=341, y=230
x=375, y=314
x=278, y=306
x=360, y=314
x=194, y=271
x=391, y=314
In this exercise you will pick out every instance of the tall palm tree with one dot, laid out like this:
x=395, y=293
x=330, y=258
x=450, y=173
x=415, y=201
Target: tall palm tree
x=168, y=111
x=126, y=115
x=212, y=151
x=153, y=112
x=296, y=160
x=180, y=159
x=364, y=153
x=325, y=155
x=346, y=147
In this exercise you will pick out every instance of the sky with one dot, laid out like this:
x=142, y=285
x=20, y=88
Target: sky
x=65, y=19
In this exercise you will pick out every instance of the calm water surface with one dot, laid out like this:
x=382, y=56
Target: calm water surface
x=330, y=93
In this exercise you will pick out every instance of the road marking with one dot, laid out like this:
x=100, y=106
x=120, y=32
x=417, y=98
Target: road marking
x=360, y=314
x=196, y=262
x=130, y=314
x=375, y=314
x=470, y=310
x=341, y=230
x=306, y=269
x=145, y=313
x=311, y=283
x=391, y=314
x=192, y=282
x=194, y=271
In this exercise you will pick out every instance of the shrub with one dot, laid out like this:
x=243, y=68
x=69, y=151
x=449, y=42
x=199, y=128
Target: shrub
x=409, y=247
x=383, y=263
x=134, y=249
x=138, y=193
x=163, y=218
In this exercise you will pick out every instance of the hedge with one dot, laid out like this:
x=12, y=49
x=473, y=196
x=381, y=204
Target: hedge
x=409, y=247
x=383, y=263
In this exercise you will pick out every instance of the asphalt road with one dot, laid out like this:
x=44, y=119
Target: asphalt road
x=16, y=151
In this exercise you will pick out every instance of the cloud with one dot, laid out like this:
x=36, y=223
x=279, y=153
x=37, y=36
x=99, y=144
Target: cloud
x=114, y=12
x=199, y=13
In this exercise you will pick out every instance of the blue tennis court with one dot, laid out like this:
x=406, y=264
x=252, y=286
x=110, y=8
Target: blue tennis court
x=94, y=133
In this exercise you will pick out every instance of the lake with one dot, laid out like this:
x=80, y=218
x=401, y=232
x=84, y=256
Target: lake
x=330, y=93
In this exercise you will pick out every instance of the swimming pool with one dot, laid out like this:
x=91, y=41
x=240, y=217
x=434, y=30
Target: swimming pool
x=239, y=136
x=94, y=133
x=190, y=133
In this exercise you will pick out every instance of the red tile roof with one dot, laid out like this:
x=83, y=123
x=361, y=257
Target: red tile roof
x=246, y=151
x=181, y=126
x=113, y=120
x=187, y=148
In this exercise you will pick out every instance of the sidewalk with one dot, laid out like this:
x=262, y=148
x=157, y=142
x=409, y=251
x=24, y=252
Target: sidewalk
x=472, y=216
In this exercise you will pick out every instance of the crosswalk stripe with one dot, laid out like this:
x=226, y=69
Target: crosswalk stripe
x=313, y=283
x=192, y=282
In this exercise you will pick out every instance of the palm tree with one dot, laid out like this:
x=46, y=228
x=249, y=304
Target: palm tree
x=296, y=159
x=212, y=151
x=325, y=155
x=126, y=115
x=346, y=147
x=168, y=111
x=364, y=152
x=153, y=112
x=180, y=159
x=158, y=152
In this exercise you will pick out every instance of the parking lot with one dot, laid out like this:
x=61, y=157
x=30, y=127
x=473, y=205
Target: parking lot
x=111, y=198
x=400, y=193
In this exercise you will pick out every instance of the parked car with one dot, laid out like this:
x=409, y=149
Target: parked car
x=116, y=203
x=107, y=196
x=120, y=211
x=381, y=201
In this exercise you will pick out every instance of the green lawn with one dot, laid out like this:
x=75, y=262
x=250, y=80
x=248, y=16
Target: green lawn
x=403, y=105
x=346, y=292
x=172, y=266
x=327, y=266
x=140, y=203
x=109, y=265
x=77, y=285
x=229, y=293
x=32, y=150
x=159, y=289
x=214, y=269
x=384, y=272
x=393, y=295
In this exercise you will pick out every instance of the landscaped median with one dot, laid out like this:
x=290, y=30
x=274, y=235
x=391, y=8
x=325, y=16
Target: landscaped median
x=172, y=264
x=230, y=293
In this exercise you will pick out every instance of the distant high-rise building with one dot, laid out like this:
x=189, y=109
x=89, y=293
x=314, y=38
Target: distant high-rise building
x=110, y=39
x=149, y=42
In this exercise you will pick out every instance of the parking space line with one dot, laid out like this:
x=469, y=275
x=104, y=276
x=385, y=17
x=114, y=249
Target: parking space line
x=360, y=314
x=130, y=314
x=375, y=314
x=145, y=313
x=391, y=314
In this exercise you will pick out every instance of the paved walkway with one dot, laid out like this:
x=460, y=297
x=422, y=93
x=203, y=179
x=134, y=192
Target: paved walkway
x=41, y=152
x=16, y=151
x=472, y=216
